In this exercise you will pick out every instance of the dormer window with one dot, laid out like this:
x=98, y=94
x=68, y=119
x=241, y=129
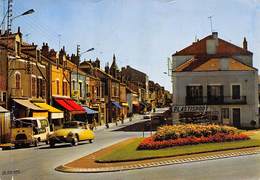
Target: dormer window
x=18, y=48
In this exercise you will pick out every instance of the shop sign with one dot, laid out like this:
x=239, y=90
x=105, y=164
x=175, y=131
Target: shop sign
x=180, y=109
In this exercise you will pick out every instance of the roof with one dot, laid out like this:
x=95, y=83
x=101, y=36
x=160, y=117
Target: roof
x=213, y=64
x=3, y=110
x=224, y=47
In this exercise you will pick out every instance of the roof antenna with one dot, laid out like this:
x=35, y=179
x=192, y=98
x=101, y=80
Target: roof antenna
x=210, y=19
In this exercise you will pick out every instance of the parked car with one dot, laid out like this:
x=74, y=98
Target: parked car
x=72, y=132
x=147, y=115
x=30, y=131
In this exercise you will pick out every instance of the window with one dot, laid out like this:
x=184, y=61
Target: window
x=18, y=48
x=64, y=88
x=235, y=91
x=215, y=91
x=33, y=86
x=39, y=87
x=73, y=85
x=80, y=89
x=18, y=81
x=225, y=113
x=194, y=91
x=58, y=87
x=86, y=88
x=98, y=93
x=43, y=89
x=93, y=91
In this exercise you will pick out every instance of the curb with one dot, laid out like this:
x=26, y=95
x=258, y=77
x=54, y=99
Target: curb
x=67, y=169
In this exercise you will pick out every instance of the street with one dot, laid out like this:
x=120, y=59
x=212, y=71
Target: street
x=39, y=163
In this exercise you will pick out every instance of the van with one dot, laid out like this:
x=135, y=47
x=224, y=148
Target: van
x=30, y=131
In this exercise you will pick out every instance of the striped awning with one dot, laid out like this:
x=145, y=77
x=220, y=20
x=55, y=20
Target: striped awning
x=28, y=104
x=3, y=110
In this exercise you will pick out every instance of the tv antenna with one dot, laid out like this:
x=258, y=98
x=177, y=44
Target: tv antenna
x=211, y=26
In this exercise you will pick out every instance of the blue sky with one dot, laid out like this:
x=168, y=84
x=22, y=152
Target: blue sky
x=142, y=33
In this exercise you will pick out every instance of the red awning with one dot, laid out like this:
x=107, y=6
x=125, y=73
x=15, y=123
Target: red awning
x=64, y=104
x=74, y=105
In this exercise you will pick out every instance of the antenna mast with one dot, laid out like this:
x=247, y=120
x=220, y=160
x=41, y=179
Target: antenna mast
x=211, y=26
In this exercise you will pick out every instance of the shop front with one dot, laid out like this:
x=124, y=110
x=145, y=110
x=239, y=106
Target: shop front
x=124, y=109
x=116, y=107
x=5, y=125
x=24, y=108
x=56, y=116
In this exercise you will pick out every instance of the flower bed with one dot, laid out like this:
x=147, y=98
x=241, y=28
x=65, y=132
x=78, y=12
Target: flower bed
x=191, y=130
x=179, y=135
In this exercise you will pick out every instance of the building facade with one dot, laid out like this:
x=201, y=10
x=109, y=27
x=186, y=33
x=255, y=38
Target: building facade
x=215, y=80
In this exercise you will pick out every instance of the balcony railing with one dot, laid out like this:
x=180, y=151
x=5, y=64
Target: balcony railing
x=215, y=100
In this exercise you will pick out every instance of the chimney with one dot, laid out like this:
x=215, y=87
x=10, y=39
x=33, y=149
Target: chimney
x=107, y=68
x=215, y=35
x=19, y=30
x=97, y=63
x=245, y=44
x=45, y=49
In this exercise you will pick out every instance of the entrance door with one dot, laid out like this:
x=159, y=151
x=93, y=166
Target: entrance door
x=236, y=117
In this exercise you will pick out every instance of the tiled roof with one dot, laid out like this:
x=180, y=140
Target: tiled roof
x=213, y=64
x=224, y=48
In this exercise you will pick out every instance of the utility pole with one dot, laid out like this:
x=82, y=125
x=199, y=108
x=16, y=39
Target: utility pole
x=78, y=60
x=9, y=26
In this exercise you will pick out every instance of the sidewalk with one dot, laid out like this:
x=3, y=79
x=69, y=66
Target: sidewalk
x=135, y=118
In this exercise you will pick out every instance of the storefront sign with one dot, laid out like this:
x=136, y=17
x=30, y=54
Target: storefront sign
x=179, y=109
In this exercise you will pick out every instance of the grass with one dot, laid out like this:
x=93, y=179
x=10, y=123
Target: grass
x=128, y=152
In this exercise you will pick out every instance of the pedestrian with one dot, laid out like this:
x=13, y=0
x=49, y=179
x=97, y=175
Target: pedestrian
x=122, y=118
x=94, y=123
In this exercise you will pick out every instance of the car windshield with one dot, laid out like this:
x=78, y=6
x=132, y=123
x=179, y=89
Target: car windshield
x=71, y=125
x=25, y=123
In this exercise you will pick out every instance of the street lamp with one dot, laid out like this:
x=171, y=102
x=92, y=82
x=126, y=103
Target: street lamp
x=23, y=14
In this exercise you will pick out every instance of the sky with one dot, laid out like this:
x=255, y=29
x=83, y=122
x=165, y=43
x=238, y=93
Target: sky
x=141, y=33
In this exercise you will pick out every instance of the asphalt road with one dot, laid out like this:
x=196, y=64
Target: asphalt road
x=39, y=163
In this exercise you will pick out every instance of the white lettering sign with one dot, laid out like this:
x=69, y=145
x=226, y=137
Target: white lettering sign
x=178, y=109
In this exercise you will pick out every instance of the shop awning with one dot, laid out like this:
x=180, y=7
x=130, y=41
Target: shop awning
x=124, y=104
x=70, y=105
x=74, y=105
x=48, y=107
x=116, y=104
x=90, y=111
x=63, y=104
x=55, y=113
x=28, y=104
x=3, y=110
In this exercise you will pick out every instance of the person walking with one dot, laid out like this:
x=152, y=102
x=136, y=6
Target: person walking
x=94, y=123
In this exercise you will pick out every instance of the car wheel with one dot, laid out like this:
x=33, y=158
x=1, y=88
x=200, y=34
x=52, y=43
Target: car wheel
x=91, y=141
x=52, y=144
x=74, y=141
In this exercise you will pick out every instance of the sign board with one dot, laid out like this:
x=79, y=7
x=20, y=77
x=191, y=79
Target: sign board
x=197, y=108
